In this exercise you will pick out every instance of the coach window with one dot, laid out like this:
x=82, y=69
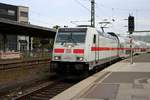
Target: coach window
x=94, y=38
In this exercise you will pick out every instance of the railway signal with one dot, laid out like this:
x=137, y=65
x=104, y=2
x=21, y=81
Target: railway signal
x=131, y=30
x=131, y=24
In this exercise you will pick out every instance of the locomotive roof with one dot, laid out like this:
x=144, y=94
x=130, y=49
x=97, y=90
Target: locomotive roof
x=72, y=29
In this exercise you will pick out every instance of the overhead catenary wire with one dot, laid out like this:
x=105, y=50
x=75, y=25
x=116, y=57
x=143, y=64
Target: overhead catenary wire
x=85, y=7
x=82, y=5
x=123, y=9
x=128, y=10
x=98, y=5
x=118, y=14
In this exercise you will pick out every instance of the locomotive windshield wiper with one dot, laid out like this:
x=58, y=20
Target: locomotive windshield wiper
x=69, y=39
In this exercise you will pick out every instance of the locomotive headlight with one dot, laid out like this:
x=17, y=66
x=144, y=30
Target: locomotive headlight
x=69, y=46
x=79, y=58
x=57, y=57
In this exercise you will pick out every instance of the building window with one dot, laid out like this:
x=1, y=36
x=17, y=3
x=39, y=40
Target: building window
x=23, y=45
x=3, y=11
x=11, y=12
x=23, y=14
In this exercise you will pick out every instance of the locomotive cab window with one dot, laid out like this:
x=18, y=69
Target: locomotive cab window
x=71, y=37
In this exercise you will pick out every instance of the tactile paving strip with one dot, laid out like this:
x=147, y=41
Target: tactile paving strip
x=103, y=91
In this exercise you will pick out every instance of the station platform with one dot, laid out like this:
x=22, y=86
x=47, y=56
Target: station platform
x=121, y=81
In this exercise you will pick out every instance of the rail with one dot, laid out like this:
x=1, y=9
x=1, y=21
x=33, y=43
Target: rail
x=47, y=92
x=19, y=63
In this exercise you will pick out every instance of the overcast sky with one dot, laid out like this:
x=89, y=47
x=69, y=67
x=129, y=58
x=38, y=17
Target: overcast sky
x=61, y=12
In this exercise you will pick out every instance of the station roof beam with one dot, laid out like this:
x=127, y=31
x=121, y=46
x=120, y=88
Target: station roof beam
x=16, y=28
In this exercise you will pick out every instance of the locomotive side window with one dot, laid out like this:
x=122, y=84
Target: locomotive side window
x=94, y=38
x=77, y=37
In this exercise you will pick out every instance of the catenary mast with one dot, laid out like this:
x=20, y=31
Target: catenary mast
x=92, y=13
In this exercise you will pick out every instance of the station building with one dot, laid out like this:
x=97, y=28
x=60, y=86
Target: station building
x=19, y=14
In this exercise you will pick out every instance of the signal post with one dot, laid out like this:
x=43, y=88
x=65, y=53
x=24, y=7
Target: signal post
x=131, y=30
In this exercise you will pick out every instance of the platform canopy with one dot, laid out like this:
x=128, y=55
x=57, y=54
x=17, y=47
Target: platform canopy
x=16, y=28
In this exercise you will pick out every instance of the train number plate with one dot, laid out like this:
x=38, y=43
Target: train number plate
x=68, y=50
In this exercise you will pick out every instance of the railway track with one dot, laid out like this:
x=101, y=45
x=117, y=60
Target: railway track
x=18, y=64
x=51, y=90
x=47, y=92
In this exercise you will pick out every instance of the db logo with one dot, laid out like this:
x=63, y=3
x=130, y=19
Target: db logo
x=68, y=50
